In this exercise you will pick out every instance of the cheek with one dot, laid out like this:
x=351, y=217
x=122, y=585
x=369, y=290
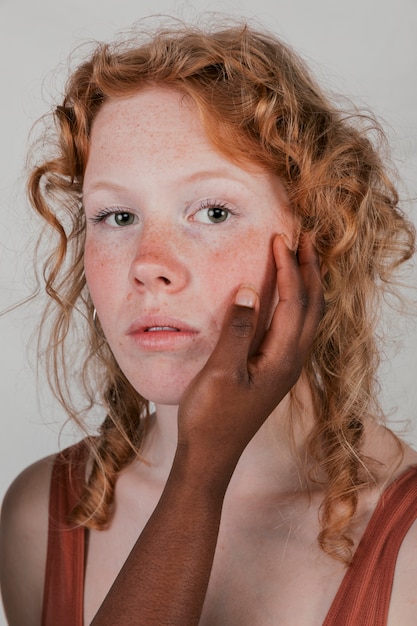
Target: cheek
x=248, y=262
x=93, y=269
x=99, y=272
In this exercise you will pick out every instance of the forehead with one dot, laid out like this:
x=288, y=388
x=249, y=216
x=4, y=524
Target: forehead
x=158, y=133
x=154, y=115
x=153, y=126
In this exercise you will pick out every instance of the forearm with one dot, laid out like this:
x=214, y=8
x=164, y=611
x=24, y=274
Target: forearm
x=165, y=578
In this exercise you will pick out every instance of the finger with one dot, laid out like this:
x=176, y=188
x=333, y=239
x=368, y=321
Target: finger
x=309, y=263
x=238, y=331
x=287, y=322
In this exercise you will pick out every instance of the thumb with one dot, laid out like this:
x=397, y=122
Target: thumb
x=238, y=330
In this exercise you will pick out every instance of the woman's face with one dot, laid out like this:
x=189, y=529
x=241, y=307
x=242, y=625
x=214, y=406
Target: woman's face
x=173, y=229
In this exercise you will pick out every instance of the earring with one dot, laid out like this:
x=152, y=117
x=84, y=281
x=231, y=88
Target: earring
x=98, y=329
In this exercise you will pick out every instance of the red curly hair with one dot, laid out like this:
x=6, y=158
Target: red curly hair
x=260, y=105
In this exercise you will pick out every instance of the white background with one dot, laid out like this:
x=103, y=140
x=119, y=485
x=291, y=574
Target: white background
x=366, y=49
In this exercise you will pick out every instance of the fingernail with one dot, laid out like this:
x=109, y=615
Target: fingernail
x=286, y=240
x=246, y=296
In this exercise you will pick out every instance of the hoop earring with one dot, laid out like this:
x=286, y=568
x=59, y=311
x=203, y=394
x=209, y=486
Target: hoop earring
x=99, y=331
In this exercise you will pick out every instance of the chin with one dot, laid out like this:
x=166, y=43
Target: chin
x=161, y=391
x=165, y=380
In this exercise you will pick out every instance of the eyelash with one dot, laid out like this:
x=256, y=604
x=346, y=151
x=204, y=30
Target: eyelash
x=104, y=213
x=214, y=204
x=204, y=206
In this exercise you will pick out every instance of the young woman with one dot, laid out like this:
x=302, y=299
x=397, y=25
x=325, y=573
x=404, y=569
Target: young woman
x=224, y=236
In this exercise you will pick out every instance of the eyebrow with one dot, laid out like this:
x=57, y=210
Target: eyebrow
x=106, y=185
x=216, y=174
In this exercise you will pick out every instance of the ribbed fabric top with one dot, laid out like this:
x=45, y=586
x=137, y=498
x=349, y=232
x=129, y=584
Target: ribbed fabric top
x=362, y=599
x=364, y=596
x=63, y=597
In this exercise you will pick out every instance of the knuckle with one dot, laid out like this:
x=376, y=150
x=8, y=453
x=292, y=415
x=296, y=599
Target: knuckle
x=240, y=378
x=283, y=375
x=226, y=375
x=291, y=366
x=241, y=326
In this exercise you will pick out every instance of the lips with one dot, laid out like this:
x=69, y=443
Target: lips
x=154, y=329
x=161, y=334
x=152, y=324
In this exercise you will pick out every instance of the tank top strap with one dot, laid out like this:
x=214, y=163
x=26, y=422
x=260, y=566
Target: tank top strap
x=364, y=595
x=65, y=562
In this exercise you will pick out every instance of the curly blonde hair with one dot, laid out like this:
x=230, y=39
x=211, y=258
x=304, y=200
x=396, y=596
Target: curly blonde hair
x=258, y=104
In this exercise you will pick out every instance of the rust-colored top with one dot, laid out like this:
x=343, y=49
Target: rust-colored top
x=364, y=596
x=63, y=595
x=362, y=599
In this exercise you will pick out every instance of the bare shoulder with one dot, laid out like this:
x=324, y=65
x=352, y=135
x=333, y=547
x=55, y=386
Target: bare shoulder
x=23, y=543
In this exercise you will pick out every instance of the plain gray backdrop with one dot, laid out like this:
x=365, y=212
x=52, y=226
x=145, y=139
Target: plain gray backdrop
x=366, y=49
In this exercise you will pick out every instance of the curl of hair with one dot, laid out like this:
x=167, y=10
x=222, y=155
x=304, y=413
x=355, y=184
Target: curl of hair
x=258, y=104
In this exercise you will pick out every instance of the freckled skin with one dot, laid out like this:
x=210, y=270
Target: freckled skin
x=154, y=159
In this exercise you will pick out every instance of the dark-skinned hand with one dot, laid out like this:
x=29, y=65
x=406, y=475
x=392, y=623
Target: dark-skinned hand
x=228, y=401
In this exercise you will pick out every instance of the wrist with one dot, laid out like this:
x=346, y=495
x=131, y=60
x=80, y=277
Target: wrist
x=201, y=472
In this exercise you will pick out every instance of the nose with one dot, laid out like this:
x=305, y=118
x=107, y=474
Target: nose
x=157, y=266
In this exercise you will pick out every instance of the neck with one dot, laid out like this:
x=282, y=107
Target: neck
x=274, y=459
